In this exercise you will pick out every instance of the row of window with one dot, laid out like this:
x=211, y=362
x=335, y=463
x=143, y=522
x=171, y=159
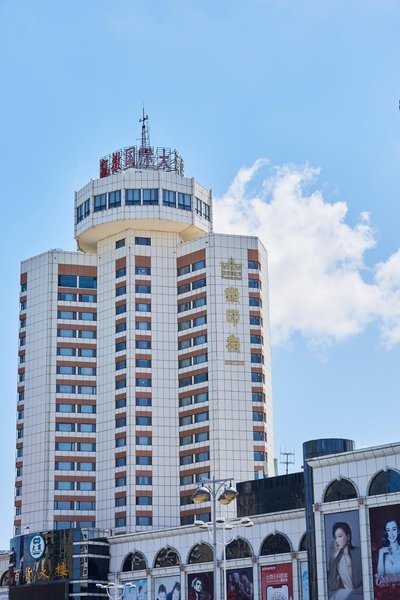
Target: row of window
x=72, y=427
x=196, y=418
x=76, y=389
x=82, y=352
x=139, y=307
x=67, y=465
x=196, y=322
x=77, y=281
x=140, y=521
x=140, y=480
x=199, y=264
x=193, y=379
x=194, y=458
x=140, y=197
x=191, y=286
x=193, y=360
x=86, y=334
x=76, y=446
x=192, y=304
x=139, y=382
x=140, y=401
x=140, y=363
x=121, y=272
x=70, y=524
x=72, y=315
x=194, y=399
x=74, y=505
x=82, y=486
x=202, y=209
x=87, y=409
x=70, y=370
x=194, y=478
x=139, y=289
x=197, y=437
x=70, y=297
x=194, y=341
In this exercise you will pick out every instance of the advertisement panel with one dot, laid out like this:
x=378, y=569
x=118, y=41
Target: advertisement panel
x=305, y=592
x=239, y=584
x=200, y=586
x=139, y=592
x=384, y=523
x=343, y=556
x=277, y=582
x=167, y=588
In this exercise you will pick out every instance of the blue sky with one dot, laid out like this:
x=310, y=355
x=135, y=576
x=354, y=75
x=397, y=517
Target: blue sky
x=288, y=109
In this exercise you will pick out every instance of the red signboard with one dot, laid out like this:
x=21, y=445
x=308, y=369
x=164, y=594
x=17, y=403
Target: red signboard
x=277, y=582
x=145, y=157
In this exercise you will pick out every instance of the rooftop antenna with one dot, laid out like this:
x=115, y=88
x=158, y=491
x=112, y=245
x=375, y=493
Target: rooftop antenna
x=287, y=458
x=145, y=131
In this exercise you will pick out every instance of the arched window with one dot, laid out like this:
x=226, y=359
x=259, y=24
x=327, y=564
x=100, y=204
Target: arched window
x=385, y=482
x=275, y=544
x=303, y=543
x=340, y=489
x=167, y=557
x=135, y=561
x=238, y=548
x=200, y=553
x=4, y=579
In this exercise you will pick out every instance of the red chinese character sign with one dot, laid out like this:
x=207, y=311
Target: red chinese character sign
x=277, y=582
x=159, y=159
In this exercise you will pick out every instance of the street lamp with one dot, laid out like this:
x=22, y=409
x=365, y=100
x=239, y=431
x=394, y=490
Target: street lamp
x=115, y=591
x=210, y=488
x=225, y=525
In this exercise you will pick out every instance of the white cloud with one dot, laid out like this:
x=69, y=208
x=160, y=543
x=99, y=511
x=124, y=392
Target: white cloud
x=316, y=260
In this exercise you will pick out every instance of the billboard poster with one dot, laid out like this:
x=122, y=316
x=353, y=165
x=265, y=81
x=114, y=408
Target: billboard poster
x=167, y=588
x=139, y=592
x=384, y=523
x=277, y=582
x=305, y=593
x=239, y=584
x=343, y=556
x=200, y=586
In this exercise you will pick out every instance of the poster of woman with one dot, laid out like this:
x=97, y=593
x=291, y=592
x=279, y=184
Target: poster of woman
x=343, y=556
x=385, y=551
x=200, y=586
x=167, y=588
x=139, y=592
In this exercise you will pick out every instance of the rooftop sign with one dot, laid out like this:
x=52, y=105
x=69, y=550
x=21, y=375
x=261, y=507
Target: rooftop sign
x=144, y=157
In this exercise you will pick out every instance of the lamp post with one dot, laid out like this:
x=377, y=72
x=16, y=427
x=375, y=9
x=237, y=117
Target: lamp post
x=115, y=591
x=209, y=489
x=225, y=525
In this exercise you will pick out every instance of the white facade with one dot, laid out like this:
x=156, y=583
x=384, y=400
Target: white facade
x=144, y=360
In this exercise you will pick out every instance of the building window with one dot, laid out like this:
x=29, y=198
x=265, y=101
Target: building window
x=83, y=210
x=257, y=358
x=65, y=408
x=87, y=409
x=100, y=202
x=120, y=327
x=120, y=481
x=144, y=521
x=184, y=201
x=200, y=339
x=259, y=456
x=150, y=197
x=201, y=437
x=87, y=427
x=87, y=352
x=120, y=522
x=88, y=316
x=119, y=310
x=86, y=486
x=169, y=198
x=142, y=289
x=143, y=241
x=120, y=442
x=143, y=440
x=132, y=197
x=142, y=307
x=200, y=378
x=120, y=272
x=70, y=333
x=121, y=422
x=120, y=243
x=67, y=427
x=186, y=439
x=259, y=436
x=119, y=346
x=114, y=199
x=120, y=403
x=120, y=461
x=143, y=382
x=64, y=485
x=121, y=290
x=259, y=416
x=257, y=377
x=120, y=364
x=143, y=401
x=68, y=281
x=143, y=344
x=143, y=480
x=64, y=465
x=255, y=301
x=86, y=466
x=65, y=446
x=142, y=270
x=143, y=325
x=143, y=420
x=87, y=334
x=89, y=390
x=253, y=264
x=256, y=339
x=64, y=370
x=200, y=321
x=144, y=500
x=120, y=501
x=254, y=320
x=120, y=384
x=65, y=389
x=143, y=460
x=86, y=371
x=66, y=314
x=200, y=417
x=87, y=298
x=255, y=283
x=202, y=456
x=64, y=297
x=143, y=363
x=66, y=351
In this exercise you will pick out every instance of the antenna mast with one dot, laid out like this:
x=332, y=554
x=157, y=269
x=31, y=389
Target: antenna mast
x=287, y=458
x=145, y=131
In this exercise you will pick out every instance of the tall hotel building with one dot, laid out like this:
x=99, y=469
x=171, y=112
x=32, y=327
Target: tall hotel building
x=144, y=356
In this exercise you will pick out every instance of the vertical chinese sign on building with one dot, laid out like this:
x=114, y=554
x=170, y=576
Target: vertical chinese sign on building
x=232, y=270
